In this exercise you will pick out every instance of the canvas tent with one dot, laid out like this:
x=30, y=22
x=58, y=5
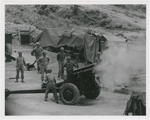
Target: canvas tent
x=75, y=39
x=91, y=44
x=49, y=37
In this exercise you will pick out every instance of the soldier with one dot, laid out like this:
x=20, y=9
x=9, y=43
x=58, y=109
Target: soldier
x=43, y=61
x=69, y=68
x=37, y=52
x=50, y=79
x=98, y=60
x=20, y=61
x=60, y=58
x=33, y=45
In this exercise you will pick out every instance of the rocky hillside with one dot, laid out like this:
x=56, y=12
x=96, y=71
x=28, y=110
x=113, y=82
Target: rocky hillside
x=109, y=17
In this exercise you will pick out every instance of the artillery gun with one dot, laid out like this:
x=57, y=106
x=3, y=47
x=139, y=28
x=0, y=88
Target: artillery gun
x=82, y=83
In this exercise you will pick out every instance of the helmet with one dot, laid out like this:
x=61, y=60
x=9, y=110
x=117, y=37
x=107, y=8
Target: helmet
x=49, y=70
x=37, y=43
x=61, y=48
x=68, y=58
x=44, y=52
x=20, y=52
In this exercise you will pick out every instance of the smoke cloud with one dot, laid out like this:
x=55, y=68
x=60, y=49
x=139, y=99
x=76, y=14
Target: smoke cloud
x=121, y=62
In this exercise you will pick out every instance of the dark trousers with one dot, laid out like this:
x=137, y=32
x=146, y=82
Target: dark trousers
x=20, y=68
x=53, y=88
x=60, y=72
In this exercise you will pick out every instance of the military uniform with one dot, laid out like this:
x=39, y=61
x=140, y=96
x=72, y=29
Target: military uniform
x=38, y=53
x=51, y=85
x=20, y=61
x=60, y=59
x=43, y=61
x=98, y=60
x=70, y=74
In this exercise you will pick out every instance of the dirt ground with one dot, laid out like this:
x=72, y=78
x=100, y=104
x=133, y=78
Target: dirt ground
x=108, y=103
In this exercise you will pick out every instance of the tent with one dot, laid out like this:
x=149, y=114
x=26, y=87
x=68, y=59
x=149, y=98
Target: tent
x=75, y=39
x=78, y=38
x=49, y=37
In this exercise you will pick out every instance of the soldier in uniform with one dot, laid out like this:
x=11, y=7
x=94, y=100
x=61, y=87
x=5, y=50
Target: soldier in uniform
x=98, y=60
x=43, y=61
x=37, y=52
x=51, y=84
x=60, y=58
x=20, y=61
x=69, y=68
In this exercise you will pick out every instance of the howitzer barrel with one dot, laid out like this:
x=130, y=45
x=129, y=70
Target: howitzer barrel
x=84, y=69
x=8, y=92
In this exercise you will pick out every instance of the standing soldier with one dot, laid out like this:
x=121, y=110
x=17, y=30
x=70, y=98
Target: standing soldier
x=69, y=68
x=43, y=61
x=50, y=79
x=98, y=60
x=20, y=61
x=37, y=52
x=60, y=58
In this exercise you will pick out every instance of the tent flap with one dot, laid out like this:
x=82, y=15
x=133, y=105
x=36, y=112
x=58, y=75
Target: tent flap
x=91, y=47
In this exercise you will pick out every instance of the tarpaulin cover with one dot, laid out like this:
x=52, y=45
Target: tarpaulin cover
x=49, y=37
x=75, y=39
x=113, y=38
x=136, y=104
x=91, y=47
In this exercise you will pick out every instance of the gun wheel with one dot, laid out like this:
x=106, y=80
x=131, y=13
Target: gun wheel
x=69, y=94
x=93, y=93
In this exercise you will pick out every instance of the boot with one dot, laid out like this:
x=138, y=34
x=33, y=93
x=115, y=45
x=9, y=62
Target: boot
x=23, y=81
x=16, y=80
x=45, y=99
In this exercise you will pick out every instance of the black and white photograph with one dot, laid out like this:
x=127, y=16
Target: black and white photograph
x=75, y=59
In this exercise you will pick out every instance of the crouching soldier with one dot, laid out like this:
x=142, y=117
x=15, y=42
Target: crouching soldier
x=51, y=84
x=43, y=61
x=20, y=61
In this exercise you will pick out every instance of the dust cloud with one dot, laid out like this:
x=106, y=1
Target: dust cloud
x=121, y=62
